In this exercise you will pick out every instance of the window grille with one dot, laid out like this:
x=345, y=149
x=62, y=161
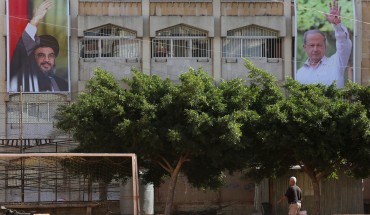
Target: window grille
x=34, y=111
x=109, y=42
x=250, y=1
x=181, y=42
x=252, y=41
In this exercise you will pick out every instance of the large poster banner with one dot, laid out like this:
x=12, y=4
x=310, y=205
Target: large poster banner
x=324, y=41
x=38, y=44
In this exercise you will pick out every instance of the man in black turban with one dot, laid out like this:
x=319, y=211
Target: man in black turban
x=33, y=62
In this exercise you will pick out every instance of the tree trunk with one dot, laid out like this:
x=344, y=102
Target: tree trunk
x=170, y=194
x=315, y=179
x=316, y=196
x=171, y=188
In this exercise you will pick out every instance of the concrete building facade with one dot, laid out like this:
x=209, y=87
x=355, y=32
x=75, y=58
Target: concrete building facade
x=192, y=34
x=166, y=37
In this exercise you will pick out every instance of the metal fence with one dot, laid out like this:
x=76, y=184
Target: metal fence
x=181, y=48
x=109, y=41
x=251, y=47
x=112, y=47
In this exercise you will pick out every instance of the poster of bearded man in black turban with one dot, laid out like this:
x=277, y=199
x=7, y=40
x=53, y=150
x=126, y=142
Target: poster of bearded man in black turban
x=37, y=43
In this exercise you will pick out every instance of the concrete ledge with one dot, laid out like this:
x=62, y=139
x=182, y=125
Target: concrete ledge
x=50, y=205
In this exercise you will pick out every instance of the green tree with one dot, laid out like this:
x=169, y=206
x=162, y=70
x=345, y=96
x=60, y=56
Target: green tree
x=310, y=14
x=192, y=126
x=322, y=129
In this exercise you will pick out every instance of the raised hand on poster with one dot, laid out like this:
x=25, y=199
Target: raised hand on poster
x=40, y=12
x=334, y=15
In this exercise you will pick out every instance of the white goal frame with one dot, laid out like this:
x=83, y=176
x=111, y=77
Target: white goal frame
x=135, y=172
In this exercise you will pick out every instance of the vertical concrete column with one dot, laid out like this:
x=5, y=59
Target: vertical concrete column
x=3, y=53
x=146, y=38
x=288, y=68
x=88, y=210
x=146, y=198
x=3, y=81
x=73, y=48
x=217, y=40
x=126, y=202
x=358, y=45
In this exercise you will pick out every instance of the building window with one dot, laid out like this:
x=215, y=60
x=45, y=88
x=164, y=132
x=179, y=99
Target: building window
x=252, y=41
x=181, y=42
x=109, y=42
x=33, y=110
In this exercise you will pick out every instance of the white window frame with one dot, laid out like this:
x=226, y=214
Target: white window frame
x=181, y=42
x=252, y=42
x=109, y=41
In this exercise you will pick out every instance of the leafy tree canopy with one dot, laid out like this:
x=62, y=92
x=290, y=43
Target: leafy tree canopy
x=193, y=126
x=201, y=128
x=322, y=129
x=310, y=14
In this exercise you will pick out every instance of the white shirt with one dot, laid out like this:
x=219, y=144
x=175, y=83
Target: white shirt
x=329, y=69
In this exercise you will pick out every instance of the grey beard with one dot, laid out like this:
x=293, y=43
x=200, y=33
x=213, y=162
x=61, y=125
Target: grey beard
x=50, y=72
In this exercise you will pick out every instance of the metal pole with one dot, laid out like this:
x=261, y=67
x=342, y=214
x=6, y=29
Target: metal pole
x=21, y=119
x=8, y=155
x=135, y=186
x=21, y=144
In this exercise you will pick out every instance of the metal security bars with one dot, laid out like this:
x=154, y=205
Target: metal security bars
x=33, y=112
x=252, y=41
x=181, y=42
x=34, y=109
x=109, y=42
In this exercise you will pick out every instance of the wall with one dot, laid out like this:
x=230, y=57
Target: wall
x=276, y=14
x=107, y=8
x=365, y=33
x=263, y=8
x=115, y=66
x=366, y=194
x=216, y=18
x=183, y=8
x=235, y=197
x=234, y=68
x=172, y=67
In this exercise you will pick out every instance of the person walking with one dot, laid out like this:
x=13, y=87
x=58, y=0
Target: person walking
x=294, y=197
